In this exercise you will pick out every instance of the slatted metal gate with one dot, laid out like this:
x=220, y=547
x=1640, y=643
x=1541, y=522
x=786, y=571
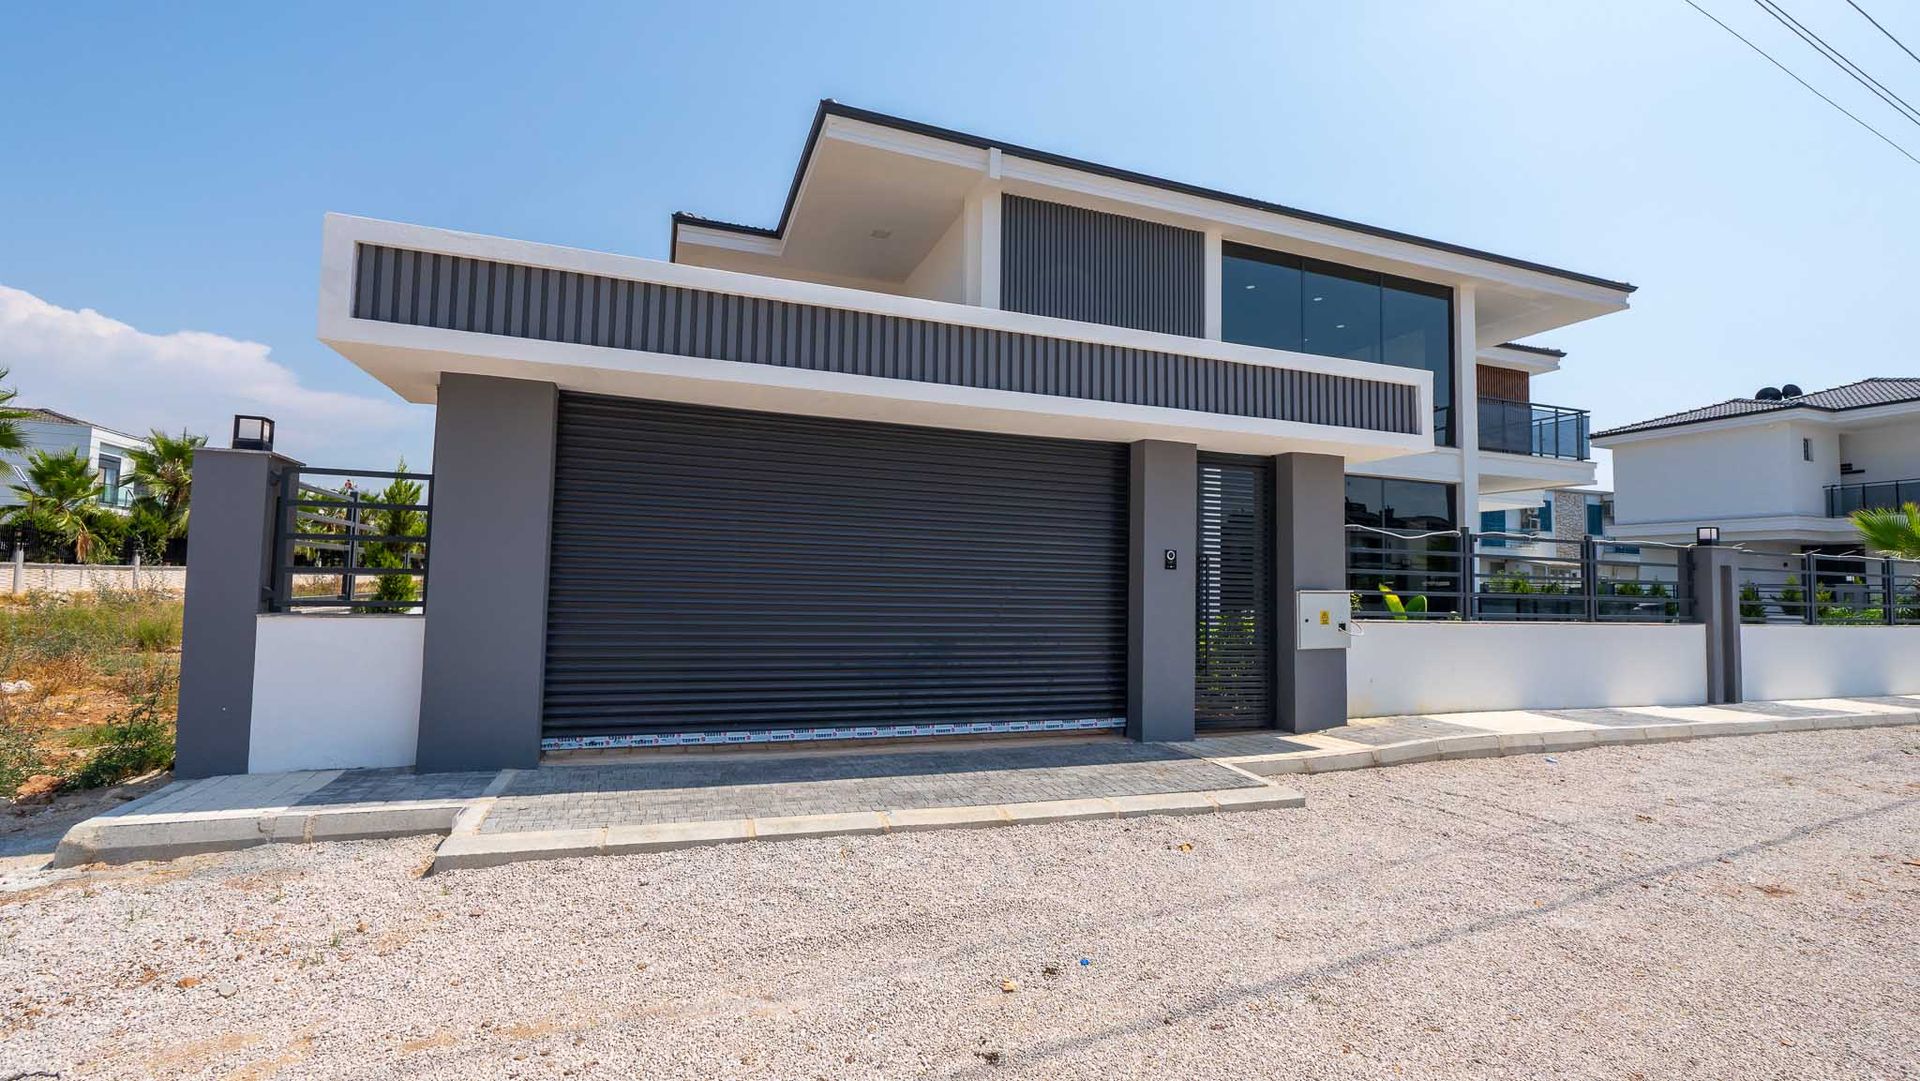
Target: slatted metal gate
x=723, y=570
x=1233, y=582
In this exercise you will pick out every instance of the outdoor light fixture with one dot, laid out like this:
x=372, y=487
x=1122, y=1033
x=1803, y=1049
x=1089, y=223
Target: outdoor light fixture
x=252, y=433
x=1707, y=535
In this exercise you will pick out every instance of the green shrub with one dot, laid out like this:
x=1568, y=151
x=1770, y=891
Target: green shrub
x=20, y=757
x=1752, y=609
x=153, y=633
x=132, y=743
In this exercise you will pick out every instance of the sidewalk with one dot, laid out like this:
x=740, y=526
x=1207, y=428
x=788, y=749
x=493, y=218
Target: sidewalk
x=667, y=801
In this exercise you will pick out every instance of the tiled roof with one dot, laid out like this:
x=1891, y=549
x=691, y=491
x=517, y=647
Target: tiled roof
x=1860, y=395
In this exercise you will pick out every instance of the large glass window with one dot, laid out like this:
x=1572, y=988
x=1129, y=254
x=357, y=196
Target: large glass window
x=1412, y=567
x=1399, y=504
x=1282, y=301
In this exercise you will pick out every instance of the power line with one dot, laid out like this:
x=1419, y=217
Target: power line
x=1882, y=29
x=1839, y=59
x=1876, y=131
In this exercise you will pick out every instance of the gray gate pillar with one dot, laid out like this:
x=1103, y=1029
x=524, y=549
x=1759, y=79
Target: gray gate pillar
x=1309, y=530
x=1163, y=525
x=1713, y=575
x=229, y=581
x=484, y=657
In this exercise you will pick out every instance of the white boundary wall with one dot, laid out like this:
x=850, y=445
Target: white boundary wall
x=335, y=691
x=1398, y=667
x=1828, y=662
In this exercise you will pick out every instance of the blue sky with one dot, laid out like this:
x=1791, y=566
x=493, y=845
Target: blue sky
x=167, y=167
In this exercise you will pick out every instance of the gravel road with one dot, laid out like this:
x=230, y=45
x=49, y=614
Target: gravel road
x=1723, y=909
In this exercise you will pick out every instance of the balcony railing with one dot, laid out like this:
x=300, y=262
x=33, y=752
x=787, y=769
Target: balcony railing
x=1544, y=431
x=1844, y=499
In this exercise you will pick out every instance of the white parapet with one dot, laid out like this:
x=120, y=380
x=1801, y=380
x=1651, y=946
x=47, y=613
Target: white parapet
x=1787, y=661
x=335, y=691
x=1396, y=668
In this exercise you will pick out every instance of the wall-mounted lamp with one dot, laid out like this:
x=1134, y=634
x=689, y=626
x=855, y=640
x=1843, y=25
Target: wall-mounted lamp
x=252, y=433
x=1707, y=536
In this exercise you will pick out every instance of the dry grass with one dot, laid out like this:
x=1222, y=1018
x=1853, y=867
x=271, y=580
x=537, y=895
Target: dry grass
x=87, y=660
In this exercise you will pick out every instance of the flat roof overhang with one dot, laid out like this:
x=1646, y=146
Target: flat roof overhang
x=863, y=173
x=410, y=359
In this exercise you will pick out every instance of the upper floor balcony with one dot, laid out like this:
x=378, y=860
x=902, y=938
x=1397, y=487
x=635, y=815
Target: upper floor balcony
x=1543, y=431
x=1844, y=499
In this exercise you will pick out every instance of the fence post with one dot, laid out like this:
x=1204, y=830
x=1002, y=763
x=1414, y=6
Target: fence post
x=1590, y=577
x=1467, y=565
x=136, y=568
x=19, y=569
x=1808, y=610
x=1888, y=600
x=347, y=580
x=1713, y=577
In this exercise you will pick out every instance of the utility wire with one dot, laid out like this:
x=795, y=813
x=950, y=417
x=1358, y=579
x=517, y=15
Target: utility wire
x=1876, y=131
x=1840, y=60
x=1882, y=29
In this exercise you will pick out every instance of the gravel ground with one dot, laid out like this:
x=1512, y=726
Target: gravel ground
x=1724, y=909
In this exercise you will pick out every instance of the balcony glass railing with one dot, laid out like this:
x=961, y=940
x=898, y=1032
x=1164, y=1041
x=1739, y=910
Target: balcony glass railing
x=1844, y=499
x=1545, y=431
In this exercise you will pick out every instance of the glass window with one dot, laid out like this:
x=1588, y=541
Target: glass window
x=1260, y=297
x=1413, y=504
x=1416, y=323
x=1546, y=516
x=1596, y=519
x=1281, y=301
x=109, y=479
x=1364, y=501
x=1342, y=312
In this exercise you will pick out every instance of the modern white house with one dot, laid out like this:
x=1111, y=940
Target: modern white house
x=1777, y=472
x=974, y=439
x=108, y=450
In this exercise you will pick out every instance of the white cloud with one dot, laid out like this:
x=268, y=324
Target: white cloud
x=96, y=367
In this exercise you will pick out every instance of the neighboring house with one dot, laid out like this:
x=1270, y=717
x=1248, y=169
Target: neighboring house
x=1543, y=530
x=109, y=451
x=1777, y=472
x=975, y=438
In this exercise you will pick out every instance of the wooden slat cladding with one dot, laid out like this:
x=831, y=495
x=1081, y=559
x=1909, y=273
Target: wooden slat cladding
x=1073, y=263
x=480, y=296
x=1503, y=383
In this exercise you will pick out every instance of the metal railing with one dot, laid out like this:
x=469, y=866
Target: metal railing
x=1544, y=431
x=1828, y=590
x=344, y=548
x=1844, y=499
x=1464, y=575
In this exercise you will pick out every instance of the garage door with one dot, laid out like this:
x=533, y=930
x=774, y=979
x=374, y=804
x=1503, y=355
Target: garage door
x=723, y=570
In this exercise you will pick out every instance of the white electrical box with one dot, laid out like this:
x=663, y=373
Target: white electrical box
x=1323, y=617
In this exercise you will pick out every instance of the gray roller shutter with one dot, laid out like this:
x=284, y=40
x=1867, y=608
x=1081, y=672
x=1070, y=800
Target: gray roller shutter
x=722, y=569
x=1233, y=582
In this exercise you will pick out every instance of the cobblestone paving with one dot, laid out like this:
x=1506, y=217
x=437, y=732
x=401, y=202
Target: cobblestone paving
x=383, y=785
x=1398, y=730
x=693, y=789
x=1245, y=743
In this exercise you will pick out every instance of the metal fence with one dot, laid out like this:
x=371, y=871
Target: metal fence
x=1546, y=431
x=342, y=546
x=1832, y=590
x=1844, y=499
x=1463, y=575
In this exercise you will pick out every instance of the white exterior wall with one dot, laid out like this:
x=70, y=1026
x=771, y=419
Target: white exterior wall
x=1891, y=452
x=1731, y=473
x=1828, y=662
x=55, y=437
x=335, y=692
x=1398, y=668
x=942, y=275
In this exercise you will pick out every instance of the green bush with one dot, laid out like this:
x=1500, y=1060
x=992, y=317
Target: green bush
x=153, y=633
x=132, y=743
x=20, y=757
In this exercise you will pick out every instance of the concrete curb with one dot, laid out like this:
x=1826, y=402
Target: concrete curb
x=1495, y=744
x=464, y=851
x=126, y=839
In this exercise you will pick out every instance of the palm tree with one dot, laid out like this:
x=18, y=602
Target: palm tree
x=1890, y=532
x=61, y=497
x=10, y=417
x=163, y=475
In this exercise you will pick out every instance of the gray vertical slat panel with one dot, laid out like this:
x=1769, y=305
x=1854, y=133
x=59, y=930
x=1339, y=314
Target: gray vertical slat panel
x=396, y=285
x=1234, y=593
x=1097, y=267
x=717, y=568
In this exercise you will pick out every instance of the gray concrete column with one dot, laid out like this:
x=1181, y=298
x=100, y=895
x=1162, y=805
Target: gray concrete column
x=1309, y=534
x=1163, y=523
x=484, y=656
x=1713, y=576
x=229, y=581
